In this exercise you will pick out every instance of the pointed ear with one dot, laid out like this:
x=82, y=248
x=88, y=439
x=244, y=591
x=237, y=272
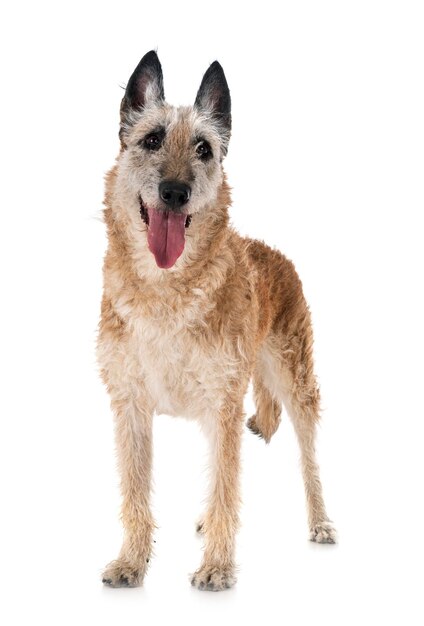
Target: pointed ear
x=144, y=86
x=214, y=96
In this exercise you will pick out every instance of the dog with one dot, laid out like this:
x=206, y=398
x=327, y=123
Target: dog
x=191, y=312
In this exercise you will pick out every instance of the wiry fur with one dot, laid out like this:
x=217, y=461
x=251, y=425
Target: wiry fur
x=187, y=340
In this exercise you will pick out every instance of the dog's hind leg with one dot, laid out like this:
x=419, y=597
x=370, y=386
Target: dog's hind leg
x=294, y=382
x=268, y=409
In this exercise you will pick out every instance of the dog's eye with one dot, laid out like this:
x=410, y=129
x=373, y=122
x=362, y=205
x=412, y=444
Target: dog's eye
x=153, y=141
x=203, y=150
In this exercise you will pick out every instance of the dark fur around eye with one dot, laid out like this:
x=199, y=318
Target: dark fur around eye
x=153, y=141
x=204, y=150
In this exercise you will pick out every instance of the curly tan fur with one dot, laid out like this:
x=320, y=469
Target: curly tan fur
x=186, y=341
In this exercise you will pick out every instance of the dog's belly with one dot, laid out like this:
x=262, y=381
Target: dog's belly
x=184, y=375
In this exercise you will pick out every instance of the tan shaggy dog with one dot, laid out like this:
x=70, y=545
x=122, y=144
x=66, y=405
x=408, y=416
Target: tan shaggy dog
x=191, y=312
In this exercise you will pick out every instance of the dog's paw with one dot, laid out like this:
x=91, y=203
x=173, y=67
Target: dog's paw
x=121, y=573
x=213, y=578
x=253, y=427
x=323, y=533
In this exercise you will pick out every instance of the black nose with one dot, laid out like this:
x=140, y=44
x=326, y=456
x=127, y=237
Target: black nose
x=174, y=194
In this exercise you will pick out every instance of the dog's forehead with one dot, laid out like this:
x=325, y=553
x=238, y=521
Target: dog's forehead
x=184, y=119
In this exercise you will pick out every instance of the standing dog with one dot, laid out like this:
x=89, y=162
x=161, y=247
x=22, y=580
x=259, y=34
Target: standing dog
x=191, y=312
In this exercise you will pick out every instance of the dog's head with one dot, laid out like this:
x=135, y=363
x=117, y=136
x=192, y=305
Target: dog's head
x=170, y=166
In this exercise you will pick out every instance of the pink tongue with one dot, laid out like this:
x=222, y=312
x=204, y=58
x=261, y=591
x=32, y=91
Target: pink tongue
x=166, y=236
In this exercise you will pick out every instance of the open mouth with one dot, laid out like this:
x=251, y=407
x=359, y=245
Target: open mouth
x=165, y=234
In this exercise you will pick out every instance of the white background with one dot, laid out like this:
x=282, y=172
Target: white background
x=326, y=162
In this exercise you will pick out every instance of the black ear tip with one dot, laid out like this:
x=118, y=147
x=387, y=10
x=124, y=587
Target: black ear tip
x=216, y=73
x=216, y=68
x=150, y=58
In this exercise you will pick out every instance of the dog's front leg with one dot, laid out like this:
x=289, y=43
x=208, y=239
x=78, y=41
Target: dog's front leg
x=133, y=421
x=221, y=521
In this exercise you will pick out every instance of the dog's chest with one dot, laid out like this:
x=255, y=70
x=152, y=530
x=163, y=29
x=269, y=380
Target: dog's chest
x=185, y=370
